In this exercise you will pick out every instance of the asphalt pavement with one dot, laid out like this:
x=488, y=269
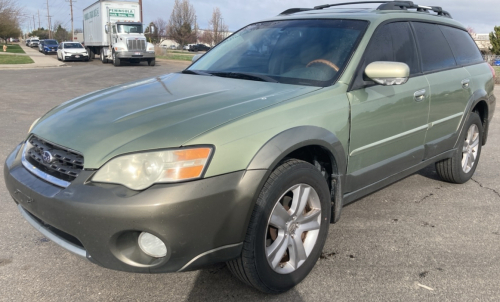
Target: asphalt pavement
x=418, y=239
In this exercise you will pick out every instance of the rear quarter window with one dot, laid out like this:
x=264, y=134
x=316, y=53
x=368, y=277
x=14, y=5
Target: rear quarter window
x=462, y=45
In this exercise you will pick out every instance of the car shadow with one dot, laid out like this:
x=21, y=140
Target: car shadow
x=430, y=172
x=216, y=283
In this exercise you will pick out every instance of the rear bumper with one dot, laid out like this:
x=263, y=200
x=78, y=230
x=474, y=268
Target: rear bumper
x=201, y=222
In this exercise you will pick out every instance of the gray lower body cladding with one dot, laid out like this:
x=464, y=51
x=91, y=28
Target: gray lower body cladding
x=202, y=222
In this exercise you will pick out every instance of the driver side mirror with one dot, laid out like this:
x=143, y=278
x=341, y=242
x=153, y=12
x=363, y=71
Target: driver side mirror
x=106, y=28
x=388, y=73
x=196, y=57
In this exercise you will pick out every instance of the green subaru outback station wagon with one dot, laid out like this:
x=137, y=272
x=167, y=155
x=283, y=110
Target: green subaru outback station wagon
x=248, y=155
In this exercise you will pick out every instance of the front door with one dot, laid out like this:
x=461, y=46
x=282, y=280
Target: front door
x=388, y=123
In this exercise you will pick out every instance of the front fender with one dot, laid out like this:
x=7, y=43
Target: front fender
x=292, y=139
x=284, y=143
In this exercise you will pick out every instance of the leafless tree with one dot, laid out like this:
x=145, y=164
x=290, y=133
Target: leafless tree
x=161, y=28
x=471, y=32
x=9, y=19
x=206, y=37
x=217, y=27
x=181, y=23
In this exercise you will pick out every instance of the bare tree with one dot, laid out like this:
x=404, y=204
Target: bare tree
x=161, y=28
x=206, y=37
x=180, y=26
x=217, y=27
x=471, y=32
x=9, y=20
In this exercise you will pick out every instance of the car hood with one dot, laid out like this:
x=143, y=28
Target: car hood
x=156, y=113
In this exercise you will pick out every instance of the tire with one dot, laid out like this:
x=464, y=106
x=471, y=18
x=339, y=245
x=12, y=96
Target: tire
x=116, y=61
x=274, y=225
x=460, y=168
x=103, y=60
x=151, y=62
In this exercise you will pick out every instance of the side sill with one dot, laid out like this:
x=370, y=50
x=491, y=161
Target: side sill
x=353, y=196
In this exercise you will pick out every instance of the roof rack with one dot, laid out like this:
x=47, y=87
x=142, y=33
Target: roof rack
x=385, y=5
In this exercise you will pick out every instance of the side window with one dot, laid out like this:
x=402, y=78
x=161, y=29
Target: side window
x=435, y=51
x=462, y=45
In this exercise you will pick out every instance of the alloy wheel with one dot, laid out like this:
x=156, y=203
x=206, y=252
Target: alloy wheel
x=293, y=228
x=470, y=149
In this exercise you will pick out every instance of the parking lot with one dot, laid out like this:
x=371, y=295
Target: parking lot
x=418, y=239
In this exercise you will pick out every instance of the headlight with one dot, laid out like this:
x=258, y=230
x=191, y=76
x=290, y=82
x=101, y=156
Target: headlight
x=120, y=48
x=139, y=171
x=33, y=125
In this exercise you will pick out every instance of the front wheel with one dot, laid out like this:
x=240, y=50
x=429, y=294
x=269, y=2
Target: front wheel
x=151, y=62
x=116, y=61
x=463, y=164
x=287, y=230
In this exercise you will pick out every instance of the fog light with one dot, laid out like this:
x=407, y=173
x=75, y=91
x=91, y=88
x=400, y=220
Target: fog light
x=152, y=245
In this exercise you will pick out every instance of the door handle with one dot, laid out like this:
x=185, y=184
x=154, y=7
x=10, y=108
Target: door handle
x=465, y=84
x=419, y=95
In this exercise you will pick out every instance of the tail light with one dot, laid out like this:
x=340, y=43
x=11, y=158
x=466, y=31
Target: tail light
x=492, y=71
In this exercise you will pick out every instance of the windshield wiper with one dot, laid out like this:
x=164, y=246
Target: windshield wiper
x=198, y=72
x=245, y=76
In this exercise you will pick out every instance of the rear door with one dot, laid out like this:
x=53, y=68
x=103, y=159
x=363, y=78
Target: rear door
x=388, y=123
x=449, y=87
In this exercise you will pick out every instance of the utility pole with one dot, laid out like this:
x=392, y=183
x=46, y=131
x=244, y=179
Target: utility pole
x=48, y=19
x=34, y=24
x=140, y=8
x=72, y=28
x=38, y=18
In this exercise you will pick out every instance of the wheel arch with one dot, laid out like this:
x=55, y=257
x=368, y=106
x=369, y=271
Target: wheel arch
x=477, y=103
x=312, y=144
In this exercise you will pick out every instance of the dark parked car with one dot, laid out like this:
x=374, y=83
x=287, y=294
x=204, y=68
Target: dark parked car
x=198, y=47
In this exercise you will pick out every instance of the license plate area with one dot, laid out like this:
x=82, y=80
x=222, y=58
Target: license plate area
x=21, y=197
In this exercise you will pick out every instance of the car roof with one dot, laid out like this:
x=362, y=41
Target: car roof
x=373, y=15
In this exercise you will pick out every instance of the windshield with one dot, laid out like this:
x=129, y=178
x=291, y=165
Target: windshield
x=50, y=42
x=303, y=52
x=34, y=40
x=130, y=28
x=73, y=45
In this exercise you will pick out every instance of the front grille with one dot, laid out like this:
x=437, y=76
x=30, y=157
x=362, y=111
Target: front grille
x=135, y=45
x=63, y=163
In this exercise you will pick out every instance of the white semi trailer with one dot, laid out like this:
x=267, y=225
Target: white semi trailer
x=113, y=30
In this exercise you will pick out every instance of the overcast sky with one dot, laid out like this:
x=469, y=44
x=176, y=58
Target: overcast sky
x=481, y=15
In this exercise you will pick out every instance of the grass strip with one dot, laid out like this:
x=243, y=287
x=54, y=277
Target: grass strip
x=12, y=48
x=177, y=57
x=15, y=59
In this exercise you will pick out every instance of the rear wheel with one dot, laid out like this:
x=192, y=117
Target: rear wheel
x=287, y=230
x=103, y=59
x=462, y=165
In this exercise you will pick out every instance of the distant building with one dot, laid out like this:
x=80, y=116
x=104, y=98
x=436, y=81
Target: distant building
x=483, y=42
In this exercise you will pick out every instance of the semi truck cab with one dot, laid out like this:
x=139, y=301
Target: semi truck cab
x=127, y=43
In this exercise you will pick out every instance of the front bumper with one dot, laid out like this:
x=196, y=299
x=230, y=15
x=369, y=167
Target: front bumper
x=201, y=222
x=76, y=56
x=135, y=55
